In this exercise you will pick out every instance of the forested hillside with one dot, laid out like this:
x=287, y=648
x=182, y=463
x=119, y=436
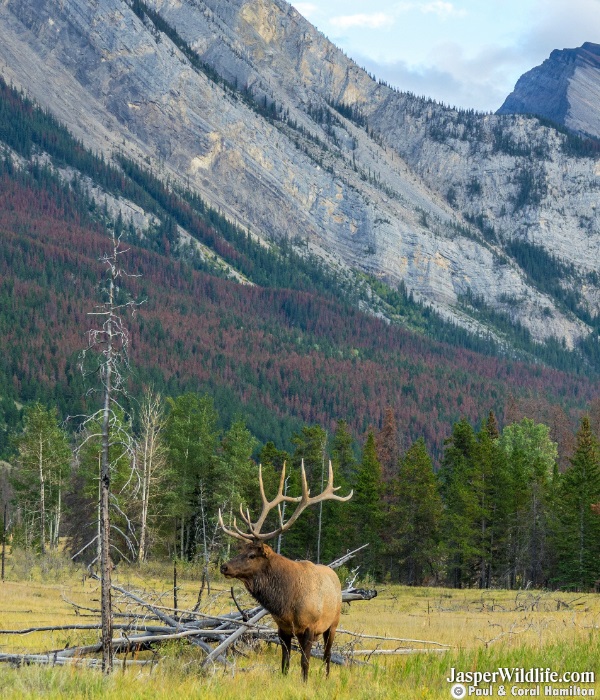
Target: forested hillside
x=247, y=106
x=282, y=356
x=289, y=349
x=261, y=354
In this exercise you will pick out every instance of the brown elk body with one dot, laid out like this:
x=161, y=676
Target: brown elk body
x=304, y=599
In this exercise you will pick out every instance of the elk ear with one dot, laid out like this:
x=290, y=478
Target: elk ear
x=265, y=550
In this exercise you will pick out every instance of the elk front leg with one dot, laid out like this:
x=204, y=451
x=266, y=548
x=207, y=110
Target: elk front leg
x=306, y=640
x=286, y=647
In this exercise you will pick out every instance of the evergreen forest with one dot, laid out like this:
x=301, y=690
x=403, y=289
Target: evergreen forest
x=499, y=511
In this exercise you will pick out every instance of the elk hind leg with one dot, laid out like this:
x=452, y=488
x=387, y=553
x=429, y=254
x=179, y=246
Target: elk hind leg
x=328, y=636
x=286, y=647
x=306, y=641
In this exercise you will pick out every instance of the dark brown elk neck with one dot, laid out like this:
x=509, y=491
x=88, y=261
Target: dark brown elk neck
x=271, y=586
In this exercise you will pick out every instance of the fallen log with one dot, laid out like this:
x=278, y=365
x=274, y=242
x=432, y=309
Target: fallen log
x=233, y=638
x=390, y=639
x=350, y=594
x=54, y=660
x=346, y=557
x=398, y=652
x=62, y=628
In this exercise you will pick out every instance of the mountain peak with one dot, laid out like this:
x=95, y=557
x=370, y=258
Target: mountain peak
x=564, y=88
x=589, y=48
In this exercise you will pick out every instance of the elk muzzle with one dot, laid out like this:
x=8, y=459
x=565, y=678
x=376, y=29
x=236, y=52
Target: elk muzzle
x=226, y=571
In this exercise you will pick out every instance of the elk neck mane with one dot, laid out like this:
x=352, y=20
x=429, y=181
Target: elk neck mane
x=272, y=586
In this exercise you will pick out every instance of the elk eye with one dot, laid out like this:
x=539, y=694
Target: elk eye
x=252, y=556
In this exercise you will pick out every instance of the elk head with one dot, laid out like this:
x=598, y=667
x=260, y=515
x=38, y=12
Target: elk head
x=249, y=563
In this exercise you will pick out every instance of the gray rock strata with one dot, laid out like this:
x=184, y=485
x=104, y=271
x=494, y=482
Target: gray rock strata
x=393, y=199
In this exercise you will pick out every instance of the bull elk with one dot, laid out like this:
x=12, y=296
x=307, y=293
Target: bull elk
x=304, y=599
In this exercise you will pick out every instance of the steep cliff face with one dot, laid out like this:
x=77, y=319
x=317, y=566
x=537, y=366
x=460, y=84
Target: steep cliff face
x=278, y=129
x=565, y=88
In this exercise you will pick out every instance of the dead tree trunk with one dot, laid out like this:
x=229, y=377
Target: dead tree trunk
x=105, y=562
x=112, y=339
x=152, y=461
x=4, y=524
x=42, y=496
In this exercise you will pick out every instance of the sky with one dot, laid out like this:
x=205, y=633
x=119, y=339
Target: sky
x=464, y=53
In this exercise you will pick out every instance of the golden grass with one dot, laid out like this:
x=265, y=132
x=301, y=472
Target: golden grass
x=486, y=630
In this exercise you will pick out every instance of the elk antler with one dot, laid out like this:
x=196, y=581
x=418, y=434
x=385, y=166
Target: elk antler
x=303, y=502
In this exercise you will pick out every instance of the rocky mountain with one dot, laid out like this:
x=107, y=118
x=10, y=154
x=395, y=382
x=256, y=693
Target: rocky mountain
x=565, y=89
x=484, y=217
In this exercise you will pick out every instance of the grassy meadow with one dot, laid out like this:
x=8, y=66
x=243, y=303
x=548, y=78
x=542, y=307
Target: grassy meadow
x=485, y=630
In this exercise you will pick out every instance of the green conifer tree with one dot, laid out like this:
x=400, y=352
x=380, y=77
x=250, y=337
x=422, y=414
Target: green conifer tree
x=238, y=478
x=342, y=452
x=308, y=537
x=416, y=516
x=493, y=483
x=192, y=439
x=461, y=489
x=367, y=509
x=578, y=535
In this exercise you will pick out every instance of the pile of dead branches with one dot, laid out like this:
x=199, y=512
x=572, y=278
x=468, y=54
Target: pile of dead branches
x=150, y=625
x=147, y=625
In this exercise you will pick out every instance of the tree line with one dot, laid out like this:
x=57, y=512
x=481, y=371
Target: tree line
x=499, y=511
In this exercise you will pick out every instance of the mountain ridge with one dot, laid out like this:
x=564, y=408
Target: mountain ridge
x=405, y=189
x=279, y=356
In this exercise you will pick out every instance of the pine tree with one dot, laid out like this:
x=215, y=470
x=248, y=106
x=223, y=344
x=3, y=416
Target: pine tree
x=307, y=537
x=192, y=437
x=388, y=451
x=491, y=426
x=272, y=461
x=237, y=484
x=367, y=509
x=337, y=516
x=492, y=492
x=238, y=474
x=342, y=452
x=416, y=516
x=270, y=455
x=578, y=535
x=461, y=489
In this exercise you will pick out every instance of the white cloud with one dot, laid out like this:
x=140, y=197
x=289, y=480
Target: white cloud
x=306, y=9
x=377, y=20
x=465, y=53
x=560, y=25
x=442, y=9
x=481, y=81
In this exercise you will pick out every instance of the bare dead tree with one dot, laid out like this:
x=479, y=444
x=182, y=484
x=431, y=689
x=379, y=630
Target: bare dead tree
x=320, y=517
x=4, y=529
x=110, y=341
x=151, y=461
